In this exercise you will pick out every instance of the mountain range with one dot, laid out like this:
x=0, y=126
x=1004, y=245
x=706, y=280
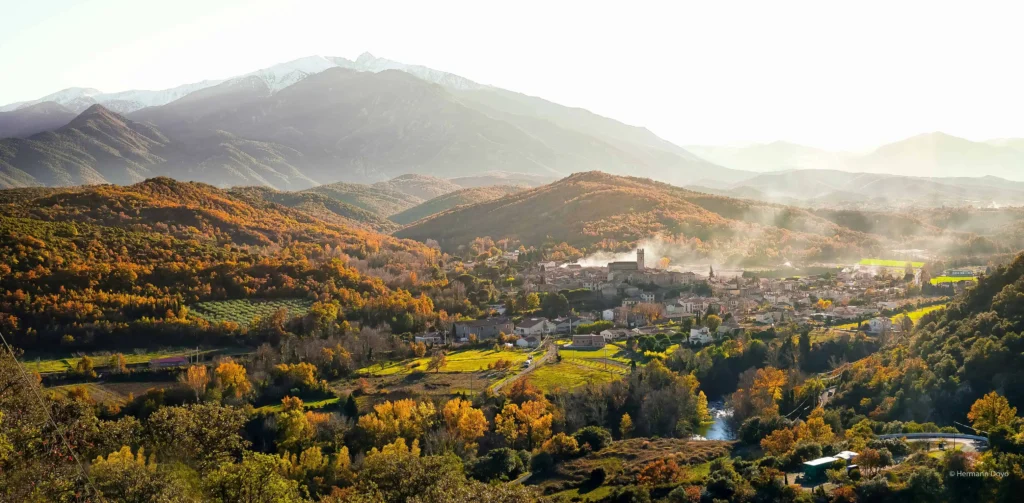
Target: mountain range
x=320, y=120
x=930, y=155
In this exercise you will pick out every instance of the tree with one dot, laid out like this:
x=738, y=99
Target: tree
x=118, y=364
x=595, y=437
x=659, y=472
x=555, y=304
x=419, y=349
x=990, y=411
x=233, y=379
x=464, y=421
x=85, y=367
x=529, y=423
x=206, y=434
x=438, y=361
x=713, y=321
x=871, y=461
x=625, y=425
x=255, y=480
x=532, y=302
x=815, y=429
x=351, y=407
x=128, y=477
x=391, y=421
x=778, y=442
x=561, y=446
x=196, y=379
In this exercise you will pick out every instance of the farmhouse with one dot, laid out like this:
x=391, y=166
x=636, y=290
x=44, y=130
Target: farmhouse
x=700, y=335
x=528, y=342
x=485, y=329
x=535, y=326
x=588, y=341
x=429, y=338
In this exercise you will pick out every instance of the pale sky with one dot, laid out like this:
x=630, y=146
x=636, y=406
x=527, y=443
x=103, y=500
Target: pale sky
x=839, y=75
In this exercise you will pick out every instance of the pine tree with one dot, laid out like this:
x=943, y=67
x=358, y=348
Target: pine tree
x=351, y=407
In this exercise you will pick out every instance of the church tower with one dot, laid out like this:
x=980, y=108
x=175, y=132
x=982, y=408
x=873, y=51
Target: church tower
x=640, y=259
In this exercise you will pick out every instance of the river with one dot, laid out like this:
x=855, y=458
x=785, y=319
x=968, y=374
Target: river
x=719, y=428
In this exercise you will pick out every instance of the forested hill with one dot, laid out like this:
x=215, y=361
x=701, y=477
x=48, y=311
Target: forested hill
x=595, y=209
x=953, y=357
x=450, y=200
x=84, y=267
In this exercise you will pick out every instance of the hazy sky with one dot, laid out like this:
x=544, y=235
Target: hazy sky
x=845, y=75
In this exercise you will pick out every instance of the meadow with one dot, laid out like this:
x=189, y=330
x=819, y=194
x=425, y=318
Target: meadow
x=243, y=311
x=101, y=360
x=938, y=280
x=569, y=374
x=608, y=352
x=878, y=262
x=913, y=315
x=466, y=360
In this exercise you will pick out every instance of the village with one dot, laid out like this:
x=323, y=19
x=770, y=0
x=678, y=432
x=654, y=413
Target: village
x=631, y=298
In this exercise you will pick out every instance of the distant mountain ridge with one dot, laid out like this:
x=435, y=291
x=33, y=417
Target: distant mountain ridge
x=929, y=155
x=319, y=120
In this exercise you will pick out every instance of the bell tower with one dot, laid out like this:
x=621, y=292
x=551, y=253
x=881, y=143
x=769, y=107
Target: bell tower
x=640, y=259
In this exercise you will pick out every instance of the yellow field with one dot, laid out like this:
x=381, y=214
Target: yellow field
x=470, y=360
x=609, y=351
x=914, y=316
x=951, y=279
x=571, y=374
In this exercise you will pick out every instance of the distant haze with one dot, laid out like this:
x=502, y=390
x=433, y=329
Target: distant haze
x=839, y=76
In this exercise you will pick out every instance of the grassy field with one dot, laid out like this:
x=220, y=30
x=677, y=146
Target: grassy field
x=938, y=280
x=608, y=352
x=914, y=316
x=878, y=262
x=318, y=404
x=113, y=393
x=242, y=311
x=569, y=374
x=100, y=360
x=468, y=360
x=417, y=386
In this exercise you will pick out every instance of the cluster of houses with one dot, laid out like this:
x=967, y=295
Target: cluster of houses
x=645, y=295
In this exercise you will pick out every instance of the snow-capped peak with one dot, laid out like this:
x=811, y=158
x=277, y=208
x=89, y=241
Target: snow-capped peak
x=276, y=78
x=282, y=75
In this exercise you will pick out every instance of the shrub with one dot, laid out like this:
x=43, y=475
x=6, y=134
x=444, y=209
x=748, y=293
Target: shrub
x=595, y=436
x=597, y=476
x=498, y=464
x=542, y=463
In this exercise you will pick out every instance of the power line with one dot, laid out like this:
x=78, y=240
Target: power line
x=49, y=417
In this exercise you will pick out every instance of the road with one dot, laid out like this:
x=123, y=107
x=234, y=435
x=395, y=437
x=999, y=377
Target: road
x=546, y=357
x=967, y=443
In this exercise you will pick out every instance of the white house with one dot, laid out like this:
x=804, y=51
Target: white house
x=879, y=325
x=608, y=315
x=535, y=326
x=647, y=297
x=528, y=342
x=700, y=335
x=615, y=333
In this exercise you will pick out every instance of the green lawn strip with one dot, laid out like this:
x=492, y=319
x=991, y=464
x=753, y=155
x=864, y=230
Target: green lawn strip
x=319, y=404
